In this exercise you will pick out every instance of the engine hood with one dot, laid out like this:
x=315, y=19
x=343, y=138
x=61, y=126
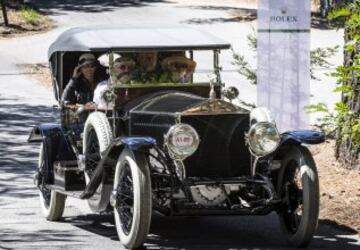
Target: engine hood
x=182, y=103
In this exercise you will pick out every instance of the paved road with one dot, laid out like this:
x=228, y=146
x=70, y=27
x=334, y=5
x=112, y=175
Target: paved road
x=23, y=104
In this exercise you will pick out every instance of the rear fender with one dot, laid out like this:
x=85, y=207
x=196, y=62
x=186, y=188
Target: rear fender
x=38, y=133
x=55, y=145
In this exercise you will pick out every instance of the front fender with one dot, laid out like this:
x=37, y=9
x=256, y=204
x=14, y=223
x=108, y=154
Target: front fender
x=104, y=170
x=296, y=138
x=302, y=136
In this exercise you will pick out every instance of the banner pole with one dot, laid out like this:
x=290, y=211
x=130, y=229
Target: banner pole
x=283, y=72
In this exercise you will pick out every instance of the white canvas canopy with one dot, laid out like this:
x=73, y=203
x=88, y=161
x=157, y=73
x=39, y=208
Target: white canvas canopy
x=100, y=38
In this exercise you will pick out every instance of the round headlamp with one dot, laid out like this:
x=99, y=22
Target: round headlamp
x=263, y=138
x=181, y=141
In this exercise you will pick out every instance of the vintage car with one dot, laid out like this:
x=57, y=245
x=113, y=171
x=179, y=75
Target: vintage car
x=181, y=148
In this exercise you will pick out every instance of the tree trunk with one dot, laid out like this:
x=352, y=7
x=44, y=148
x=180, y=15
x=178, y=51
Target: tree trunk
x=3, y=7
x=348, y=152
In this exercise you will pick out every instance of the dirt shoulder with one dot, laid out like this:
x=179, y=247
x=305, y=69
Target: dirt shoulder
x=23, y=21
x=339, y=188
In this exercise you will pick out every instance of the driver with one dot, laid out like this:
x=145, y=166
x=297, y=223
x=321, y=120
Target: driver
x=80, y=88
x=146, y=71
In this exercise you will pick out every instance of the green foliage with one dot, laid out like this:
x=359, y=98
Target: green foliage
x=319, y=58
x=30, y=15
x=252, y=40
x=244, y=67
x=345, y=119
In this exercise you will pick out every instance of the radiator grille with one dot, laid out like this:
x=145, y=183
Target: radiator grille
x=222, y=151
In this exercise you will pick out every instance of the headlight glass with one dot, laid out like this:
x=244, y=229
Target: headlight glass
x=263, y=138
x=182, y=141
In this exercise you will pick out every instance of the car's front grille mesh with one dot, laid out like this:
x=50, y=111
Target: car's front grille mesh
x=222, y=151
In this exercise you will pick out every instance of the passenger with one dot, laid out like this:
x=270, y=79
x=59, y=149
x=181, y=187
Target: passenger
x=81, y=86
x=123, y=69
x=146, y=71
x=177, y=69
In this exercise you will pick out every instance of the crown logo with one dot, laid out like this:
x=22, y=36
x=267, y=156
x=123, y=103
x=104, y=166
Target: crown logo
x=283, y=10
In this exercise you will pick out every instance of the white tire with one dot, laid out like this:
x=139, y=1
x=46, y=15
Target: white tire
x=97, y=138
x=133, y=206
x=52, y=203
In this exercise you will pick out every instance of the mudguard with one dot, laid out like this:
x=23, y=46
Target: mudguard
x=302, y=136
x=105, y=169
x=56, y=147
x=38, y=133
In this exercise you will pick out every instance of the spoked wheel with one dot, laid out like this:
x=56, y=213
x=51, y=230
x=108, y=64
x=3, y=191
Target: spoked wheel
x=97, y=138
x=299, y=189
x=92, y=153
x=52, y=203
x=132, y=199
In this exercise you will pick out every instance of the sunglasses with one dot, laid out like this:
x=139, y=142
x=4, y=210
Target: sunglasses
x=89, y=66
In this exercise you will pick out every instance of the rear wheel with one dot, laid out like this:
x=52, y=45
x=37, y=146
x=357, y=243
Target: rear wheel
x=52, y=203
x=97, y=138
x=133, y=204
x=299, y=189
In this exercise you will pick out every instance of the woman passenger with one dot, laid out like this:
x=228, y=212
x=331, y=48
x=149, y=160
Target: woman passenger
x=81, y=86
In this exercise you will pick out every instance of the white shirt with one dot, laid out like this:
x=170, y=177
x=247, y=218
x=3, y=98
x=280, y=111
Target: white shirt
x=98, y=96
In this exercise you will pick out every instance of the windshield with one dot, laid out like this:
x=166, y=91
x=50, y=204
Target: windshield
x=160, y=68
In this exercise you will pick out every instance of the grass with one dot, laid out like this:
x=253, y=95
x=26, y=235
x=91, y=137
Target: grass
x=30, y=15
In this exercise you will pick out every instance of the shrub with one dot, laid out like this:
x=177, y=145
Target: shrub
x=30, y=15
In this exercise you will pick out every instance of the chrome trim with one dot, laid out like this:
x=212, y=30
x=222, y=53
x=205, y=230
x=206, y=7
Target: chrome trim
x=172, y=154
x=152, y=113
x=153, y=125
x=180, y=169
x=249, y=144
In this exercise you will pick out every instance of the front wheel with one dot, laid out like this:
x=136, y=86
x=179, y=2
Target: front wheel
x=132, y=196
x=299, y=188
x=52, y=203
x=97, y=138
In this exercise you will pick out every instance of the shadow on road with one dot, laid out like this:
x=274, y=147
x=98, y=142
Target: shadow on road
x=55, y=7
x=216, y=232
x=231, y=14
x=18, y=158
x=237, y=14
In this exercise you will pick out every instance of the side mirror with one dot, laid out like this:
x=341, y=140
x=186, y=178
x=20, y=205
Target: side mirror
x=231, y=93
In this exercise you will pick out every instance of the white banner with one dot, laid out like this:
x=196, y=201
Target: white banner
x=283, y=72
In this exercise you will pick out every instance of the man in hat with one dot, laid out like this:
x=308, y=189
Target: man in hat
x=177, y=69
x=81, y=86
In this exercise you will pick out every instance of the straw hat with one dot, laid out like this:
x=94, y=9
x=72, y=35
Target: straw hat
x=176, y=63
